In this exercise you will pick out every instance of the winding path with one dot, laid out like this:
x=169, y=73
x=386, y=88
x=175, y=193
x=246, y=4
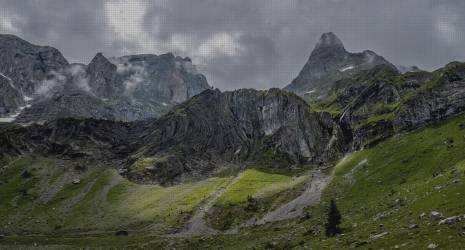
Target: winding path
x=196, y=224
x=295, y=208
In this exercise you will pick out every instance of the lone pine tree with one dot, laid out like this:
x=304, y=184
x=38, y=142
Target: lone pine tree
x=334, y=220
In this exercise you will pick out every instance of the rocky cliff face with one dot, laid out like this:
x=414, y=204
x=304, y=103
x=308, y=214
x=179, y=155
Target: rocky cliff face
x=23, y=68
x=381, y=102
x=213, y=128
x=167, y=78
x=103, y=80
x=442, y=96
x=127, y=88
x=329, y=62
x=196, y=139
x=11, y=98
x=27, y=64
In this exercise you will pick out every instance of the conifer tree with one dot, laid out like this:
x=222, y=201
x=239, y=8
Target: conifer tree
x=334, y=220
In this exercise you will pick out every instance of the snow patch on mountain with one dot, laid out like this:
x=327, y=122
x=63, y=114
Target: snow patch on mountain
x=347, y=68
x=13, y=116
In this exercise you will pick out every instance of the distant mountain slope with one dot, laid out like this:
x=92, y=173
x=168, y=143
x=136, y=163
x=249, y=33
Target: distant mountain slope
x=381, y=102
x=272, y=127
x=329, y=62
x=165, y=77
x=126, y=88
x=23, y=67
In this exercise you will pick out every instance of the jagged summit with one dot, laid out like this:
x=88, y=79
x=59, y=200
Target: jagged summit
x=329, y=40
x=39, y=84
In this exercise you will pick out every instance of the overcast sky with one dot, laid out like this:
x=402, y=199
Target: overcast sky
x=239, y=43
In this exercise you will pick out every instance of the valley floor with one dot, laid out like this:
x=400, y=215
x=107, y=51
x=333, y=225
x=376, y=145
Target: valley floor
x=404, y=193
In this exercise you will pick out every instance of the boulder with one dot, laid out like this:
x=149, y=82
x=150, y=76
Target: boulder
x=450, y=220
x=378, y=236
x=435, y=215
x=433, y=246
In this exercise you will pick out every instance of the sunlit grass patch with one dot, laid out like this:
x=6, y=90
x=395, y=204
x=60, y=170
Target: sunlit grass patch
x=255, y=183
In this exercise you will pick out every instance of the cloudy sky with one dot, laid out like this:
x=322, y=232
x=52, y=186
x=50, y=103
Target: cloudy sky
x=242, y=43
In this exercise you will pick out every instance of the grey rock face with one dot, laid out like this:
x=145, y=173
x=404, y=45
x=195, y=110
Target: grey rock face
x=166, y=78
x=103, y=79
x=27, y=64
x=329, y=62
x=444, y=98
x=126, y=88
x=214, y=127
x=381, y=102
x=11, y=98
x=196, y=138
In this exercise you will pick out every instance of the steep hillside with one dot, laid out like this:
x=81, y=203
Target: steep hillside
x=272, y=127
x=198, y=138
x=381, y=102
x=27, y=64
x=387, y=196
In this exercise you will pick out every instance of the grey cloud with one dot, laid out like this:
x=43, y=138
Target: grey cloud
x=266, y=42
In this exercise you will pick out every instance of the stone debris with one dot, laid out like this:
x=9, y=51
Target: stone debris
x=435, y=215
x=450, y=220
x=378, y=236
x=433, y=246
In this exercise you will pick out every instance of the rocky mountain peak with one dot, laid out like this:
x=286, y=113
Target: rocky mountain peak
x=100, y=61
x=329, y=41
x=328, y=63
x=102, y=77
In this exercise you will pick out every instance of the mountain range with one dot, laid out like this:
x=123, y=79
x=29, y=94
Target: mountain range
x=41, y=85
x=141, y=146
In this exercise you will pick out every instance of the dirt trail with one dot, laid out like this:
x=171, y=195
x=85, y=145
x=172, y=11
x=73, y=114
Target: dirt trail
x=197, y=225
x=295, y=208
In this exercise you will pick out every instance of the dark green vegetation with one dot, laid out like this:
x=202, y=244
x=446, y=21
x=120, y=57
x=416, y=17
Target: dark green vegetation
x=334, y=219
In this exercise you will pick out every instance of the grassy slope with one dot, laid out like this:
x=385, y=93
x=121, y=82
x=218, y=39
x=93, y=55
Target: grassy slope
x=393, y=183
x=382, y=189
x=255, y=193
x=255, y=183
x=32, y=204
x=47, y=202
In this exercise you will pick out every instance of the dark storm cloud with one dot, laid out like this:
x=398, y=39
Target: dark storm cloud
x=260, y=43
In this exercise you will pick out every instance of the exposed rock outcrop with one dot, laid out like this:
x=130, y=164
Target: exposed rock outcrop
x=11, y=98
x=214, y=127
x=103, y=79
x=27, y=64
x=272, y=127
x=380, y=102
